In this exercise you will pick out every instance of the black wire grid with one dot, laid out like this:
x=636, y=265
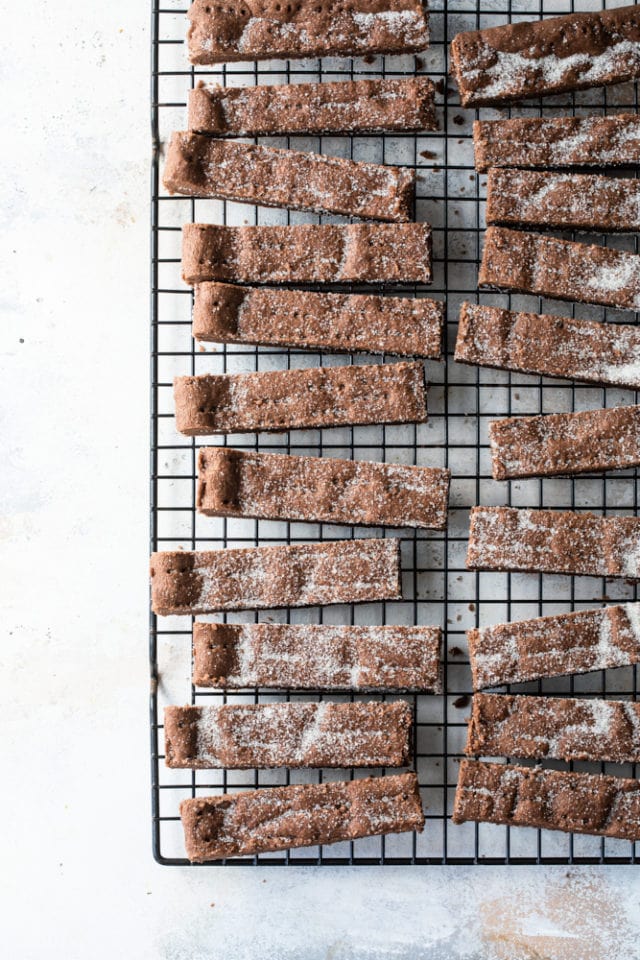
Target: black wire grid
x=437, y=588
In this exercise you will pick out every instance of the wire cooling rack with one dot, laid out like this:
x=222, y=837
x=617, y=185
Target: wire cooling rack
x=437, y=589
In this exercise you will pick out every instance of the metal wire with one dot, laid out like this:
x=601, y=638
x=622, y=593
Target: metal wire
x=437, y=587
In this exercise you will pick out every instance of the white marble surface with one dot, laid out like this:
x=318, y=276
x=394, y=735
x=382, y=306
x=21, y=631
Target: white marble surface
x=78, y=879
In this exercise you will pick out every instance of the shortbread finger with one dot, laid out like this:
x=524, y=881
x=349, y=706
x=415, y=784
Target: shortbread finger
x=303, y=815
x=316, y=657
x=554, y=728
x=199, y=166
x=552, y=200
x=548, y=799
x=556, y=646
x=340, y=322
x=553, y=346
x=554, y=541
x=271, y=486
x=534, y=58
x=348, y=106
x=548, y=267
x=299, y=575
x=244, y=736
x=308, y=28
x=308, y=253
x=300, y=399
x=565, y=444
x=612, y=141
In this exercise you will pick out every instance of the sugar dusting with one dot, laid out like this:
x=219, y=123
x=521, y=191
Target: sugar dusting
x=398, y=21
x=563, y=199
x=605, y=652
x=620, y=276
x=552, y=799
x=302, y=734
x=494, y=74
x=566, y=443
x=550, y=345
x=558, y=141
x=309, y=656
x=632, y=610
x=626, y=374
x=627, y=551
x=298, y=575
x=308, y=488
x=392, y=30
x=556, y=728
x=556, y=645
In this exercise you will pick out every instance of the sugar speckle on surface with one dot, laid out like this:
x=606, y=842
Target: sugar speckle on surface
x=498, y=74
x=555, y=646
x=550, y=345
x=312, y=656
x=301, y=734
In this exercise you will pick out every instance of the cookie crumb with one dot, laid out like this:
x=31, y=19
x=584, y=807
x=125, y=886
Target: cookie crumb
x=462, y=701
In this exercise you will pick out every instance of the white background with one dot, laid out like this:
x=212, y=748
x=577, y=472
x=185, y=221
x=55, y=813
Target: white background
x=78, y=880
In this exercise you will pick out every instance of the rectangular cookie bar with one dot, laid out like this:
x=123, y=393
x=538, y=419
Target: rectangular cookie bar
x=535, y=263
x=297, y=399
x=548, y=799
x=277, y=316
x=254, y=578
x=564, y=444
x=273, y=486
x=604, y=353
x=612, y=141
x=279, y=818
x=554, y=541
x=308, y=253
x=554, y=728
x=199, y=166
x=236, y=30
x=555, y=646
x=244, y=736
x=542, y=57
x=563, y=201
x=350, y=106
x=317, y=657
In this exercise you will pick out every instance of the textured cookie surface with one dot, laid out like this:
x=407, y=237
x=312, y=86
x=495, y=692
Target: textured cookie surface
x=308, y=574
x=606, y=353
x=311, y=656
x=555, y=646
x=268, y=29
x=234, y=483
x=257, y=821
